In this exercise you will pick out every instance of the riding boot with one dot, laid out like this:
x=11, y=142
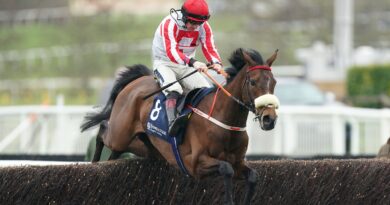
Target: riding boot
x=170, y=105
x=174, y=122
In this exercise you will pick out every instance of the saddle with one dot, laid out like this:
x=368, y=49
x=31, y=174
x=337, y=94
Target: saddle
x=157, y=124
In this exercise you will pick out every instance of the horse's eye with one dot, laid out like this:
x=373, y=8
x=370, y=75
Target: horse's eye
x=252, y=82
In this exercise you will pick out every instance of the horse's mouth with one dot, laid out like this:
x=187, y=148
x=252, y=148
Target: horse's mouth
x=267, y=122
x=266, y=106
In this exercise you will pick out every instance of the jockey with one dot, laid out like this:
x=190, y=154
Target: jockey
x=174, y=45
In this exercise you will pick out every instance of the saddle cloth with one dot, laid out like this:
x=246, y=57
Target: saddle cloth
x=157, y=124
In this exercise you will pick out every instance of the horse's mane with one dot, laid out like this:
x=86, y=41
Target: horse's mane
x=237, y=61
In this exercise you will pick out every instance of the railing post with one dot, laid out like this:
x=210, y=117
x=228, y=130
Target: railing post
x=338, y=134
x=43, y=142
x=385, y=125
x=348, y=138
x=289, y=134
x=355, y=135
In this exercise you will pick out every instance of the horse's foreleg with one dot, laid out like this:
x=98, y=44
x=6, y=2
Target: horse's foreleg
x=99, y=141
x=208, y=166
x=251, y=177
x=115, y=155
x=226, y=170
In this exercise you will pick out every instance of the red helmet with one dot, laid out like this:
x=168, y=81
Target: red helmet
x=195, y=10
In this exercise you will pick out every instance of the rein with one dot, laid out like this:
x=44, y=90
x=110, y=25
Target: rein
x=228, y=94
x=251, y=106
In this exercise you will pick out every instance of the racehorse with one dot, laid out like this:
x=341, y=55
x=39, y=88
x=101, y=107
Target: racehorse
x=208, y=148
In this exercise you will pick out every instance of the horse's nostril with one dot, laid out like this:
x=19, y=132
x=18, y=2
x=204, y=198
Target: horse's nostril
x=267, y=119
x=267, y=122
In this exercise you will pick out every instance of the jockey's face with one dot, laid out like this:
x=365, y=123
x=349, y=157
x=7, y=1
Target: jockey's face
x=192, y=25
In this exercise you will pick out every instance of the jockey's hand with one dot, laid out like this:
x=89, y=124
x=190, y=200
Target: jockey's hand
x=218, y=67
x=202, y=67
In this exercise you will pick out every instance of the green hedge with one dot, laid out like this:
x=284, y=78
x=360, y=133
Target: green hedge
x=367, y=86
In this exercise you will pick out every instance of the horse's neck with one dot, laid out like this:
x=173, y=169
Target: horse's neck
x=232, y=112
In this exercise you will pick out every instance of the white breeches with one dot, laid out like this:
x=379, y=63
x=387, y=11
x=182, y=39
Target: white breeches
x=167, y=72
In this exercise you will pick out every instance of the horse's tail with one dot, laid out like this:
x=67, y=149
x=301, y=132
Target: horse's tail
x=125, y=77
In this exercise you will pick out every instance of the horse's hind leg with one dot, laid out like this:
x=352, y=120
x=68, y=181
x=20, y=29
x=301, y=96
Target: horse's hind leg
x=251, y=180
x=99, y=141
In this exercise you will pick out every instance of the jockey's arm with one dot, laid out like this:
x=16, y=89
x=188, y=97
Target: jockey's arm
x=209, y=50
x=170, y=44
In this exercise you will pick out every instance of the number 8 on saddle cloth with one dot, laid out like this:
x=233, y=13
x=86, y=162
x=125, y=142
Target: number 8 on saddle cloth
x=157, y=124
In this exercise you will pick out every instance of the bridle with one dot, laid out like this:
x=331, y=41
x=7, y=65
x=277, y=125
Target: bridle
x=251, y=104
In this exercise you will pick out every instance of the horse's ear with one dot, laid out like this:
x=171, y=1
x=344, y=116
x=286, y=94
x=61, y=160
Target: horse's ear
x=272, y=58
x=247, y=58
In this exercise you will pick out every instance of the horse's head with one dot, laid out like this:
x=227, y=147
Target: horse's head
x=258, y=86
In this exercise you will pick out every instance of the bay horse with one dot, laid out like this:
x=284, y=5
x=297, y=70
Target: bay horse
x=207, y=149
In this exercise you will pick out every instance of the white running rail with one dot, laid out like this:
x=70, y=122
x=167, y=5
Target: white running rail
x=43, y=130
x=311, y=130
x=300, y=131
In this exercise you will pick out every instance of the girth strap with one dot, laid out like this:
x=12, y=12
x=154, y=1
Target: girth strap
x=176, y=153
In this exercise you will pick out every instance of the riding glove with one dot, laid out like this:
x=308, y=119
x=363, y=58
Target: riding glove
x=218, y=67
x=200, y=66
